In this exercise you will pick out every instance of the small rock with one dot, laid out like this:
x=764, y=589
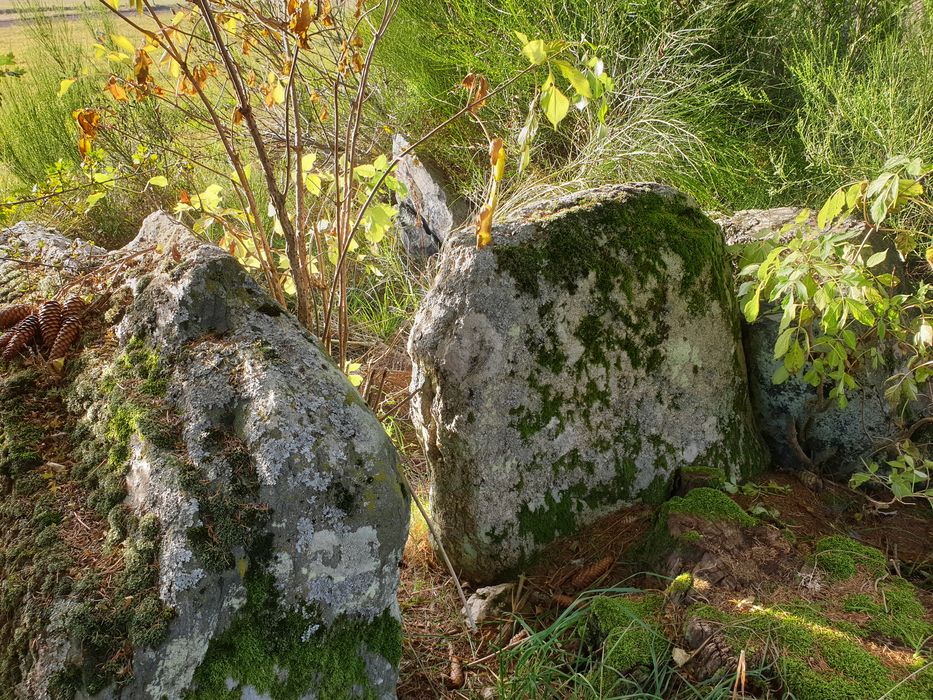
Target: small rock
x=487, y=601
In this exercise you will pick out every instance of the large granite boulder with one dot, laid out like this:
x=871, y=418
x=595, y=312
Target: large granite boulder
x=804, y=430
x=209, y=508
x=572, y=366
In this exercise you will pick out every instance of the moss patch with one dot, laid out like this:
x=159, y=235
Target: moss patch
x=230, y=512
x=894, y=612
x=632, y=637
x=841, y=557
x=818, y=659
x=68, y=542
x=709, y=504
x=285, y=653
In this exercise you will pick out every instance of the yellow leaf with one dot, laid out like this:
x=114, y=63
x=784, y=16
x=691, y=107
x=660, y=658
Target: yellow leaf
x=484, y=227
x=555, y=105
x=122, y=43
x=497, y=158
x=65, y=84
x=534, y=52
x=159, y=181
x=576, y=79
x=241, y=566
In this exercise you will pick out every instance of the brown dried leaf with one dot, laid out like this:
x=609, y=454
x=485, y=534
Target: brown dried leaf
x=456, y=678
x=479, y=98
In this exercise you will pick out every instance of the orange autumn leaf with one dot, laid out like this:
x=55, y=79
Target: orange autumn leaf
x=88, y=120
x=237, y=116
x=324, y=12
x=141, y=67
x=115, y=89
x=479, y=98
x=300, y=22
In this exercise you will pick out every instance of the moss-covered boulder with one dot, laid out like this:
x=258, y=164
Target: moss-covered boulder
x=228, y=521
x=574, y=365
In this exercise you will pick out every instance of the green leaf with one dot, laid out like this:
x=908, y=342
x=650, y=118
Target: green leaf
x=783, y=343
x=860, y=312
x=94, y=198
x=858, y=479
x=576, y=79
x=555, y=105
x=780, y=375
x=159, y=181
x=752, y=306
x=534, y=52
x=794, y=358
x=831, y=209
x=877, y=258
x=852, y=194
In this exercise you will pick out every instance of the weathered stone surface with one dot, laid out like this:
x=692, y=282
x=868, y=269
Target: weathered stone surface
x=280, y=516
x=425, y=215
x=801, y=429
x=572, y=366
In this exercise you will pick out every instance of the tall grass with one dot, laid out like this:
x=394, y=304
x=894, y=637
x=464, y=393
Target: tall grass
x=863, y=103
x=36, y=126
x=743, y=103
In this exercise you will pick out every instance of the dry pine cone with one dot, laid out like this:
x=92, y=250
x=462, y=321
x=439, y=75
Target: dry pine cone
x=50, y=321
x=71, y=329
x=22, y=334
x=11, y=315
x=74, y=307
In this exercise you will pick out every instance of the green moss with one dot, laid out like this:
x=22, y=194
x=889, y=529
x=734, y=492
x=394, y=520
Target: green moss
x=230, y=513
x=709, y=504
x=691, y=537
x=840, y=558
x=680, y=585
x=695, y=476
x=556, y=518
x=894, y=611
x=285, y=653
x=818, y=659
x=629, y=626
x=657, y=491
x=43, y=570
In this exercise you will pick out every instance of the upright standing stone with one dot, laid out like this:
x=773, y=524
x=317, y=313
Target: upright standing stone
x=572, y=366
x=425, y=216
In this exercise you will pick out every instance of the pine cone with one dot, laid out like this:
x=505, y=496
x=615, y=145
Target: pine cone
x=74, y=307
x=11, y=315
x=70, y=330
x=50, y=321
x=23, y=333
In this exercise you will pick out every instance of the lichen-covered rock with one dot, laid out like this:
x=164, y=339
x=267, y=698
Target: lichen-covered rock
x=801, y=428
x=250, y=489
x=573, y=365
x=425, y=214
